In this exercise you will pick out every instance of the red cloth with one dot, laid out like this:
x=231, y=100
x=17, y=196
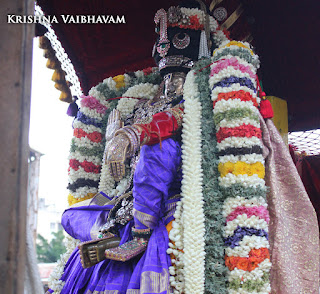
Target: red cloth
x=310, y=175
x=162, y=126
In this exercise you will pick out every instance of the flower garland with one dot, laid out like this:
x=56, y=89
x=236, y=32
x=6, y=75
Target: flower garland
x=238, y=131
x=191, y=190
x=215, y=269
x=87, y=146
x=85, y=153
x=88, y=143
x=54, y=281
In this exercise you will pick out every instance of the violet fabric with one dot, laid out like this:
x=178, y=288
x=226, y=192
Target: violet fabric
x=157, y=178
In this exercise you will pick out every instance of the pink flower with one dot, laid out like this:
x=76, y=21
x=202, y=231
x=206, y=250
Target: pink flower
x=92, y=103
x=224, y=63
x=259, y=211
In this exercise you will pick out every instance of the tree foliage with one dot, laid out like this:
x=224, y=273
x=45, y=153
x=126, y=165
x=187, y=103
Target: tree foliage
x=50, y=251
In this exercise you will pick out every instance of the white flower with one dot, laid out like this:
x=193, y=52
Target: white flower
x=231, y=203
x=110, y=83
x=82, y=192
x=244, y=221
x=233, y=87
x=92, y=113
x=246, y=245
x=219, y=37
x=247, y=158
x=238, y=142
x=98, y=95
x=191, y=190
x=54, y=281
x=226, y=105
x=126, y=105
x=88, y=128
x=245, y=180
x=237, y=123
x=228, y=72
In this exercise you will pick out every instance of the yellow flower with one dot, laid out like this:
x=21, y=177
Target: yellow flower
x=119, y=81
x=240, y=168
x=225, y=168
x=72, y=200
x=258, y=168
x=239, y=44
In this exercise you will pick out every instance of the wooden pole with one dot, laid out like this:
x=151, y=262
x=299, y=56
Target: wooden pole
x=15, y=84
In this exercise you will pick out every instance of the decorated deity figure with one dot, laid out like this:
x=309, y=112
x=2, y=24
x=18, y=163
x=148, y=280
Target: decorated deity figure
x=182, y=204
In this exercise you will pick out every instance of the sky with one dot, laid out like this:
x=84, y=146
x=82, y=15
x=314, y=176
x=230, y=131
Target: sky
x=50, y=132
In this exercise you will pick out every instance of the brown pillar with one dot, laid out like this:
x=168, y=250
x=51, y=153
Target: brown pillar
x=15, y=82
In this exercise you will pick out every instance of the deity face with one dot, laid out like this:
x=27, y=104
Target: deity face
x=174, y=84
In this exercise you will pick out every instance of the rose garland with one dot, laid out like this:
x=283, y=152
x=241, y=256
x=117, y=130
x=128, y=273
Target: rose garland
x=241, y=168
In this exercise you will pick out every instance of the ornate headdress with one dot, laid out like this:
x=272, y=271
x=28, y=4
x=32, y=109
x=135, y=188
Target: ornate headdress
x=186, y=33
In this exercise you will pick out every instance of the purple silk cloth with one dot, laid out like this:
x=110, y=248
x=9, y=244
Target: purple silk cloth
x=157, y=178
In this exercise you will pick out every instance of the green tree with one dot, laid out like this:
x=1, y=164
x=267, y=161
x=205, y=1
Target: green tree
x=50, y=252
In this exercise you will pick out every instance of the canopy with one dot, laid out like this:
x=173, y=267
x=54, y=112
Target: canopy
x=284, y=35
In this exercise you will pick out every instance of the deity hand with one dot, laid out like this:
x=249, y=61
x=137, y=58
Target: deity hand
x=132, y=248
x=117, y=154
x=127, y=250
x=114, y=124
x=92, y=252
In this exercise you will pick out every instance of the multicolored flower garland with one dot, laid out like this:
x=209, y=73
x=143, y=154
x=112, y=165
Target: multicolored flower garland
x=241, y=167
x=87, y=147
x=88, y=143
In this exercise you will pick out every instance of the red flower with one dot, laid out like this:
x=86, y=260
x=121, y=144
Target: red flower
x=256, y=256
x=95, y=137
x=89, y=167
x=147, y=71
x=241, y=131
x=242, y=95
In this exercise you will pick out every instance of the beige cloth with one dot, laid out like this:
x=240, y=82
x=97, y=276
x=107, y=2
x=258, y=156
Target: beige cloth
x=293, y=228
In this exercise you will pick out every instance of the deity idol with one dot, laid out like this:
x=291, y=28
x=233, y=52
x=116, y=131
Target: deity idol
x=183, y=156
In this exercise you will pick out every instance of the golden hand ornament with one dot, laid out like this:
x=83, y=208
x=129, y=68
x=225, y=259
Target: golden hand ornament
x=117, y=153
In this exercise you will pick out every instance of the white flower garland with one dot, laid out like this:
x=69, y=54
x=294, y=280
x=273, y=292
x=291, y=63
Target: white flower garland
x=191, y=190
x=54, y=281
x=143, y=90
x=176, y=271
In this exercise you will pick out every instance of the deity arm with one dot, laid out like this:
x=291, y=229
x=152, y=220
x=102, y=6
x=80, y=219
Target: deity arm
x=156, y=172
x=163, y=125
x=129, y=139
